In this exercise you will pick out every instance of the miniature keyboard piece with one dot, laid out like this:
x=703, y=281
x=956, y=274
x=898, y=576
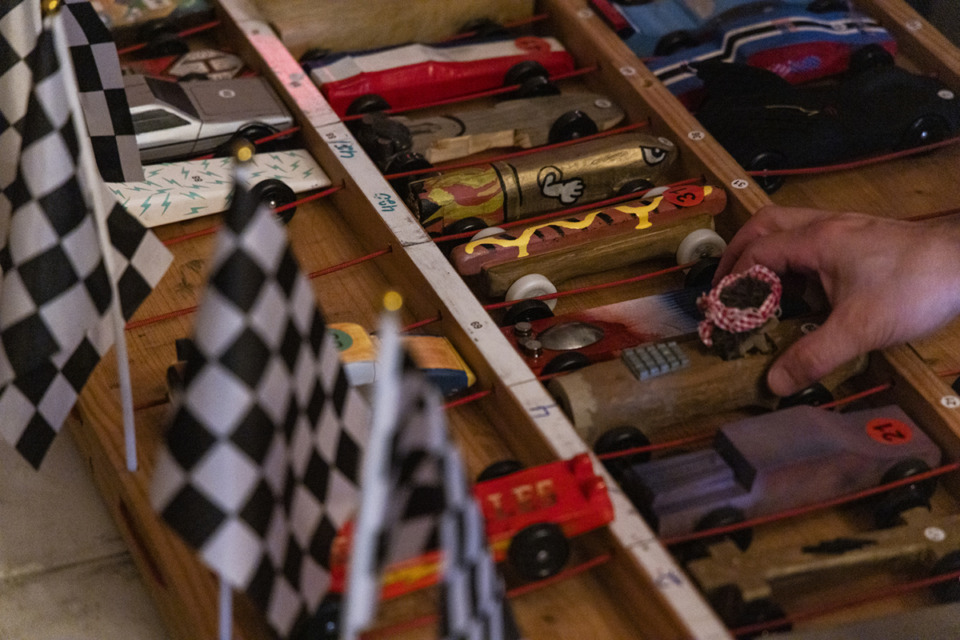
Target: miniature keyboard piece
x=650, y=360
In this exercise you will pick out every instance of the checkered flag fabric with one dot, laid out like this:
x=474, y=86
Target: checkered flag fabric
x=104, y=101
x=425, y=488
x=55, y=293
x=260, y=465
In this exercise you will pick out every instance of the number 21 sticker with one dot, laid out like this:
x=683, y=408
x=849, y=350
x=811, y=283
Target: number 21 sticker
x=889, y=431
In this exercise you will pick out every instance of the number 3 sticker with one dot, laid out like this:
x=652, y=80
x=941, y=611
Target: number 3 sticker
x=889, y=431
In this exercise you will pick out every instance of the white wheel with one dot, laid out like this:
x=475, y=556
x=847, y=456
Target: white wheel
x=531, y=286
x=702, y=243
x=486, y=233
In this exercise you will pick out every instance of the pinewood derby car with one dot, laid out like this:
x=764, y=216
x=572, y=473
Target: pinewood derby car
x=401, y=143
x=475, y=197
x=661, y=27
x=177, y=191
x=530, y=516
x=412, y=75
x=740, y=584
x=797, y=45
x=434, y=355
x=775, y=462
x=649, y=389
x=527, y=261
x=183, y=119
x=767, y=123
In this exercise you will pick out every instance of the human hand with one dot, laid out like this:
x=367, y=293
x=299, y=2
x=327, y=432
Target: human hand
x=888, y=281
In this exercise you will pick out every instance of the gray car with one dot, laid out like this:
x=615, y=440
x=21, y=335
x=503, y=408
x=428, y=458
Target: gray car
x=178, y=120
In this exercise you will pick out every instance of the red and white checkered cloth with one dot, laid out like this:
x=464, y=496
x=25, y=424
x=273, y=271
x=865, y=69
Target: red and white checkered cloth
x=733, y=320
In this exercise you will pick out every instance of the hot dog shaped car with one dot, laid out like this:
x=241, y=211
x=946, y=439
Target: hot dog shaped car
x=775, y=462
x=396, y=143
x=653, y=387
x=527, y=261
x=476, y=197
x=416, y=74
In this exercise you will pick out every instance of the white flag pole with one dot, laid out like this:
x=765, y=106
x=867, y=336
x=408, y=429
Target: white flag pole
x=92, y=184
x=363, y=586
x=225, y=610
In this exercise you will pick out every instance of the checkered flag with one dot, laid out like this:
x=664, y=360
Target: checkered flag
x=259, y=471
x=55, y=292
x=412, y=484
x=104, y=101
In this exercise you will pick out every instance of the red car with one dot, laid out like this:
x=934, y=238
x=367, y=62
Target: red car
x=416, y=74
x=530, y=515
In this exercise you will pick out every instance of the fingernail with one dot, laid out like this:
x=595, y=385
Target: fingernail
x=780, y=382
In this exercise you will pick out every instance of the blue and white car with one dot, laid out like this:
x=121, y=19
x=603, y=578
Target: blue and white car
x=791, y=41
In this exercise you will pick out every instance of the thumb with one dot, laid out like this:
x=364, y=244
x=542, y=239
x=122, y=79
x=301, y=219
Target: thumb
x=812, y=357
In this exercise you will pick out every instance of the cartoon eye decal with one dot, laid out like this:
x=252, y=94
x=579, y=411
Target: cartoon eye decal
x=654, y=155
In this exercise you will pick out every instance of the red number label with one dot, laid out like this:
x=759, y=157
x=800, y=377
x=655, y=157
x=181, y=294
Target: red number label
x=889, y=431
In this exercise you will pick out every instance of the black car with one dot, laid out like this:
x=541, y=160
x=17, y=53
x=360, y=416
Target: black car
x=767, y=123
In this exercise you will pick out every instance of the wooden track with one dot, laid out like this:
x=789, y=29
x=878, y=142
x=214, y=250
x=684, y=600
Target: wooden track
x=640, y=592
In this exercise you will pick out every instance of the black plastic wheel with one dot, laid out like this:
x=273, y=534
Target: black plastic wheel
x=812, y=396
x=767, y=160
x=464, y=225
x=403, y=162
x=619, y=439
x=499, y=469
x=570, y=126
x=636, y=185
x=314, y=54
x=948, y=591
x=722, y=517
x=275, y=193
x=382, y=137
x=570, y=361
x=367, y=103
x=526, y=311
x=827, y=6
x=539, y=551
x=483, y=28
x=523, y=71
x=701, y=273
x=889, y=506
x=924, y=130
x=868, y=57
x=324, y=624
x=253, y=133
x=673, y=42
x=956, y=385
x=728, y=602
x=535, y=87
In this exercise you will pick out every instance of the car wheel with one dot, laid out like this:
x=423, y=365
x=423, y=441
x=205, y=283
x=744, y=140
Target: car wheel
x=382, y=137
x=702, y=243
x=523, y=71
x=539, y=551
x=499, y=469
x=889, y=506
x=324, y=624
x=314, y=54
x=367, y=103
x=570, y=126
x=700, y=275
x=868, y=57
x=464, y=225
x=924, y=130
x=812, y=396
x=828, y=6
x=404, y=162
x=483, y=28
x=620, y=439
x=565, y=362
x=728, y=602
x=535, y=87
x=253, y=133
x=532, y=285
x=723, y=517
x=673, y=42
x=956, y=385
x=275, y=193
x=486, y=233
x=767, y=160
x=526, y=311
x=948, y=591
x=635, y=185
